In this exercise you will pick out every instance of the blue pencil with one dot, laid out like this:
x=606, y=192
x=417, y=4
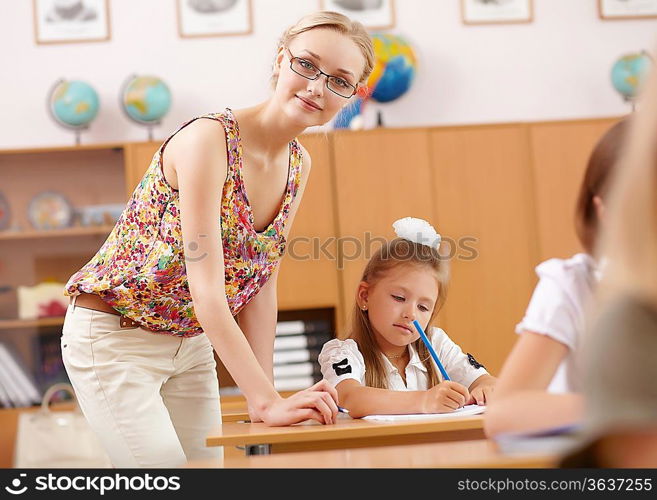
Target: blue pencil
x=424, y=338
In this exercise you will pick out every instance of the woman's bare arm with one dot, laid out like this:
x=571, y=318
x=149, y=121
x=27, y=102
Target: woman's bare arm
x=199, y=158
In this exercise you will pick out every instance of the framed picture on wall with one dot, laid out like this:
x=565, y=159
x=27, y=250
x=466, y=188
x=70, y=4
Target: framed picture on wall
x=66, y=21
x=203, y=18
x=496, y=11
x=374, y=14
x=627, y=9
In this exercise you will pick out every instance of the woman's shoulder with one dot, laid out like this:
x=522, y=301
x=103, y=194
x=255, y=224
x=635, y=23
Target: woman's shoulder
x=200, y=135
x=205, y=127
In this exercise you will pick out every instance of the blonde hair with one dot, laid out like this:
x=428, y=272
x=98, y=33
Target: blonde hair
x=337, y=22
x=630, y=239
x=397, y=252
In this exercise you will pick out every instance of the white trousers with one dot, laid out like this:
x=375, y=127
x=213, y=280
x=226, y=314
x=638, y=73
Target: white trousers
x=151, y=398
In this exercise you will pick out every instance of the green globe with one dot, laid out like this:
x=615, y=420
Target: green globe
x=629, y=72
x=73, y=103
x=145, y=99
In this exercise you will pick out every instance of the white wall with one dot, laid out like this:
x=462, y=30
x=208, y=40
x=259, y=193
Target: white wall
x=557, y=67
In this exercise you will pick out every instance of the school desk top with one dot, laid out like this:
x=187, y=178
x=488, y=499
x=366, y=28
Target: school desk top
x=481, y=453
x=234, y=416
x=346, y=433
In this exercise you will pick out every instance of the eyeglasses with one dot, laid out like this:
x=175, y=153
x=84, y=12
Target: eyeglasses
x=335, y=84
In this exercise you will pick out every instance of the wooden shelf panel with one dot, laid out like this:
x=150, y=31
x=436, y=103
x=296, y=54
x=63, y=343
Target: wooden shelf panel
x=10, y=324
x=58, y=149
x=56, y=233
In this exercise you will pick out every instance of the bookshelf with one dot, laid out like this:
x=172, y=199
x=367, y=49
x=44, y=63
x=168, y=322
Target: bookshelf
x=300, y=335
x=87, y=175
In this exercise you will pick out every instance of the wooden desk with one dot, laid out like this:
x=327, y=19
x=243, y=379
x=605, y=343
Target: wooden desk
x=480, y=453
x=234, y=416
x=346, y=433
x=237, y=402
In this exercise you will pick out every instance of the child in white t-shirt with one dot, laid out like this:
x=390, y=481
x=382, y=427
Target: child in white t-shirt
x=384, y=367
x=540, y=382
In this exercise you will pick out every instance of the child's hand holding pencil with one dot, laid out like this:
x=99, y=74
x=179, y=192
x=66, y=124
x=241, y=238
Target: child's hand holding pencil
x=444, y=397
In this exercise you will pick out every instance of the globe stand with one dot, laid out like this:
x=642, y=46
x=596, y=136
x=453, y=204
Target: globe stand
x=149, y=127
x=78, y=135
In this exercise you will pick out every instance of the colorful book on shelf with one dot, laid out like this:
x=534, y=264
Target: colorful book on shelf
x=49, y=367
x=5, y=401
x=19, y=373
x=19, y=389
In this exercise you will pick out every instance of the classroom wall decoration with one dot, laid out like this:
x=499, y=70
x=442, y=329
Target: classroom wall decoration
x=496, y=11
x=627, y=9
x=66, y=21
x=203, y=18
x=373, y=14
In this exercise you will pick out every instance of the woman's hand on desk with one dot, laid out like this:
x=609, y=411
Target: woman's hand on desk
x=253, y=415
x=445, y=397
x=319, y=402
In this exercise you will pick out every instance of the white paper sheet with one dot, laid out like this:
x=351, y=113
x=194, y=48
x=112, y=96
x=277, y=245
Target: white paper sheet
x=461, y=412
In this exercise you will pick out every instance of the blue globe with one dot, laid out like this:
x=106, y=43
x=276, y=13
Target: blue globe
x=73, y=103
x=395, y=67
x=146, y=99
x=629, y=72
x=394, y=70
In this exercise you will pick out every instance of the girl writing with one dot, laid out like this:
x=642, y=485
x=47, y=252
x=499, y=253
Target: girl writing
x=384, y=367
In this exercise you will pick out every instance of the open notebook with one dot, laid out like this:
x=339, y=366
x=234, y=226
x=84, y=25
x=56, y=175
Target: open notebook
x=461, y=412
x=551, y=440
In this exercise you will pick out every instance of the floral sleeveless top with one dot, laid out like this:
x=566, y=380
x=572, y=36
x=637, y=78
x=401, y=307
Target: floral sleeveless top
x=140, y=269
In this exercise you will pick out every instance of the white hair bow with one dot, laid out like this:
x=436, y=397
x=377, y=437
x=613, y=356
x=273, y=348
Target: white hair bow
x=417, y=231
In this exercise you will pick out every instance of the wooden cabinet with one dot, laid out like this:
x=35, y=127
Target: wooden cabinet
x=138, y=157
x=482, y=189
x=560, y=152
x=382, y=175
x=308, y=277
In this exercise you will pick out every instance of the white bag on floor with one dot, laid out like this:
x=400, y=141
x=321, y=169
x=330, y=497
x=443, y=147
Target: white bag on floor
x=57, y=439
